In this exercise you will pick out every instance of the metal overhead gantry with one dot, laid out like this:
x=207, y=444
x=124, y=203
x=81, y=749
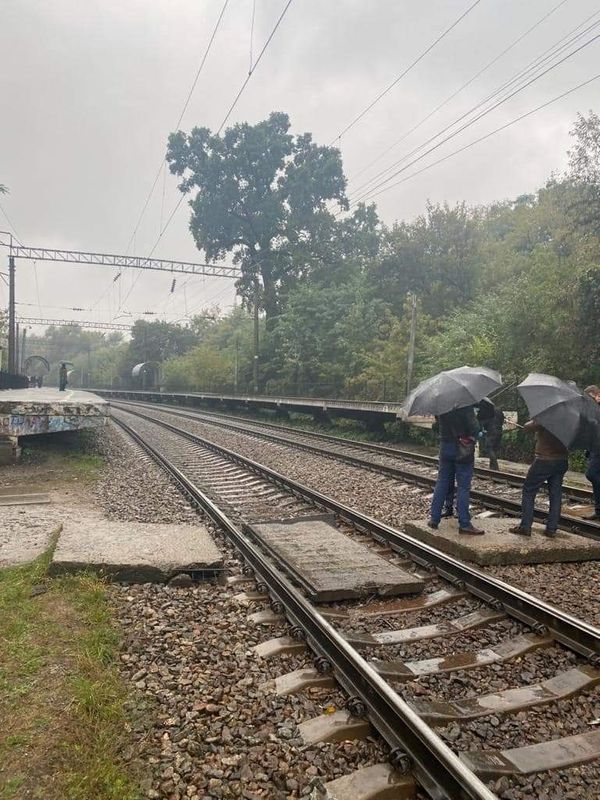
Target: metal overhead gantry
x=100, y=259
x=63, y=323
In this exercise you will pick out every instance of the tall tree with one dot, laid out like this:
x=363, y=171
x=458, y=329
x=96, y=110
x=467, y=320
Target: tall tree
x=263, y=195
x=584, y=169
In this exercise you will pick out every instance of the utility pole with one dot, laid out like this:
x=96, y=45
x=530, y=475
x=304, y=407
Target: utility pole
x=256, y=341
x=236, y=364
x=22, y=360
x=11, y=315
x=17, y=359
x=411, y=342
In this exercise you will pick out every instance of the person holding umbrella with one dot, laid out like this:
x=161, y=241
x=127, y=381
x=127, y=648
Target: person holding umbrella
x=562, y=418
x=451, y=396
x=592, y=472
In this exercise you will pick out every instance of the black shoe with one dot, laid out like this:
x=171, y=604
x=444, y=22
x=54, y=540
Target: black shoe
x=550, y=534
x=447, y=513
x=431, y=524
x=472, y=530
x=519, y=530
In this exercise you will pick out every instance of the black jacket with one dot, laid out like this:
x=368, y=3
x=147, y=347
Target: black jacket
x=457, y=423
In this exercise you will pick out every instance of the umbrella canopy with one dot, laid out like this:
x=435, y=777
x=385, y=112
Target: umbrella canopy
x=563, y=409
x=453, y=388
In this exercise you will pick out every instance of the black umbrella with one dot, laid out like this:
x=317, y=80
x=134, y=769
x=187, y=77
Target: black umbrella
x=453, y=388
x=563, y=409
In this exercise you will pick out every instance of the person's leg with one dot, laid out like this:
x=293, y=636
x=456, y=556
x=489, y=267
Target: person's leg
x=593, y=476
x=449, y=501
x=492, y=452
x=556, y=474
x=464, y=476
x=445, y=474
x=536, y=477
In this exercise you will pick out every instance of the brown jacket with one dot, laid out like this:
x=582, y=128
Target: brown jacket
x=547, y=446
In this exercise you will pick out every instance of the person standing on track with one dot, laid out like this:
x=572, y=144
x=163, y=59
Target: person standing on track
x=458, y=433
x=549, y=466
x=592, y=472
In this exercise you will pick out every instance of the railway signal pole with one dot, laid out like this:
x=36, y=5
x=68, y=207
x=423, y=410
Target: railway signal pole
x=12, y=331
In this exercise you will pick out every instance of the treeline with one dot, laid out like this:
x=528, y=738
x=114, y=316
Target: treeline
x=514, y=285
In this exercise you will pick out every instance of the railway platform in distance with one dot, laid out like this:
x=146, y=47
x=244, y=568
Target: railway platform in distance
x=28, y=412
x=499, y=546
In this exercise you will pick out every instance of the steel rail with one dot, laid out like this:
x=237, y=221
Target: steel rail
x=574, y=524
x=414, y=745
x=576, y=634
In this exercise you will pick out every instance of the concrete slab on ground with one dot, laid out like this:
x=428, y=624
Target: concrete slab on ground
x=24, y=412
x=134, y=552
x=330, y=564
x=26, y=532
x=498, y=546
x=24, y=499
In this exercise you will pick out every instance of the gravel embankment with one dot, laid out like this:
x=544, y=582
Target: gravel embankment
x=203, y=723
x=573, y=587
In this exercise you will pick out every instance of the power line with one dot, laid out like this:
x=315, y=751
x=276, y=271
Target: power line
x=255, y=65
x=226, y=117
x=520, y=75
x=419, y=58
x=450, y=97
x=12, y=227
x=492, y=133
x=181, y=115
x=373, y=190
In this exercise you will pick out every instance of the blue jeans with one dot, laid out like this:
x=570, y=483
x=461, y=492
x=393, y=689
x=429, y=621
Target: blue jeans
x=448, y=471
x=593, y=475
x=550, y=471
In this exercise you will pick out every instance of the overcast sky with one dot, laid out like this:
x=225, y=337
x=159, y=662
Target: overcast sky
x=90, y=90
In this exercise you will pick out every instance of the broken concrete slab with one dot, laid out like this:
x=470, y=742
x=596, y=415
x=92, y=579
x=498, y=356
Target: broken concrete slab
x=377, y=782
x=328, y=563
x=134, y=552
x=498, y=546
x=26, y=533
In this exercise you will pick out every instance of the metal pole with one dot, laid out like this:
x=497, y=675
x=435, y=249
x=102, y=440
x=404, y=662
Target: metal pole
x=256, y=340
x=236, y=365
x=411, y=342
x=22, y=360
x=17, y=360
x=11, y=315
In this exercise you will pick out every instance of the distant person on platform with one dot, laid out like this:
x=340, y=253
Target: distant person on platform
x=459, y=431
x=40, y=381
x=549, y=466
x=62, y=377
x=592, y=472
x=493, y=425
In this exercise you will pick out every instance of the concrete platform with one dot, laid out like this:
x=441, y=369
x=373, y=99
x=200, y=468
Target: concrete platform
x=24, y=412
x=498, y=546
x=133, y=552
x=331, y=565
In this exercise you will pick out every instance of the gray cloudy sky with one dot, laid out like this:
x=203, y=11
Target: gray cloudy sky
x=91, y=88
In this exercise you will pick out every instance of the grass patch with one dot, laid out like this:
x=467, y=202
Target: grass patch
x=63, y=726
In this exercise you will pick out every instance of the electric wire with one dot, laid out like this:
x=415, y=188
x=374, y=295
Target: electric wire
x=521, y=75
x=491, y=133
x=405, y=72
x=367, y=194
x=454, y=94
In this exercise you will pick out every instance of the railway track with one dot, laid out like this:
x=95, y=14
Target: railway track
x=504, y=494
x=354, y=642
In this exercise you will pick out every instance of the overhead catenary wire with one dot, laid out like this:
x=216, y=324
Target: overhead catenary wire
x=492, y=133
x=405, y=72
x=521, y=75
x=373, y=191
x=454, y=94
x=225, y=118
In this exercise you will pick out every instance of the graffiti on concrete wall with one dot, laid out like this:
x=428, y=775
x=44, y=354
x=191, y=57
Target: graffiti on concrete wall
x=31, y=424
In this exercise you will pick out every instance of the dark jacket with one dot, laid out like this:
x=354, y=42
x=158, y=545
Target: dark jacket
x=457, y=423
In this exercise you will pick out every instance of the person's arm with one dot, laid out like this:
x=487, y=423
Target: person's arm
x=472, y=426
x=532, y=425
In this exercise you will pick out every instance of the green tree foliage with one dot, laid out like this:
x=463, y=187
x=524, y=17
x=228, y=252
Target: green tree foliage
x=262, y=195
x=584, y=170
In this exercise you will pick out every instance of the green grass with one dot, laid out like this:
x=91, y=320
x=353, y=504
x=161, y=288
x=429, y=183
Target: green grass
x=63, y=724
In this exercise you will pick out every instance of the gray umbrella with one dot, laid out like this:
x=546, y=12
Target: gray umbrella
x=563, y=409
x=453, y=388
